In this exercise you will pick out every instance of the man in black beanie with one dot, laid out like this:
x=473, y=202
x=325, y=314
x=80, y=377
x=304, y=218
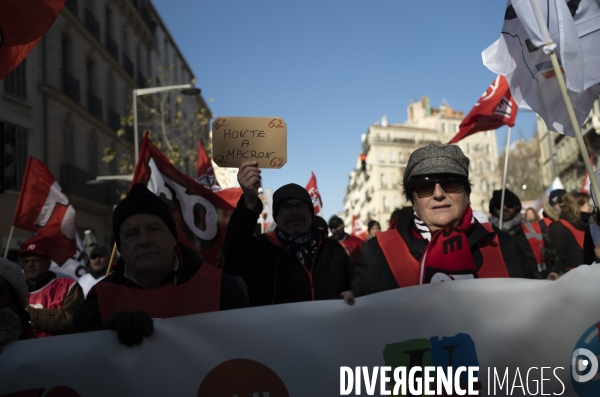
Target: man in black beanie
x=293, y=263
x=156, y=277
x=528, y=234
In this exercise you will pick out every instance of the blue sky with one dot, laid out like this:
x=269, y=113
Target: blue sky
x=331, y=68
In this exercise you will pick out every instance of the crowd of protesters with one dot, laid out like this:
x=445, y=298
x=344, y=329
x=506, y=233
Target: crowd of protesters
x=303, y=257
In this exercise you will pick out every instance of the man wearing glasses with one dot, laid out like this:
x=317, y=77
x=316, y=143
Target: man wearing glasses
x=98, y=263
x=441, y=241
x=293, y=263
x=528, y=234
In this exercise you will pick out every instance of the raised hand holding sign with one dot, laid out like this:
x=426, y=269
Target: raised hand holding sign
x=240, y=139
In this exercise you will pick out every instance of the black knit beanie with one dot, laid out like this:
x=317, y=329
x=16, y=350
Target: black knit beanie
x=140, y=200
x=289, y=192
x=509, y=198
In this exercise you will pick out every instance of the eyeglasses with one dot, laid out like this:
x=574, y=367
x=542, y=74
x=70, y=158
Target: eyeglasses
x=425, y=186
x=287, y=208
x=510, y=206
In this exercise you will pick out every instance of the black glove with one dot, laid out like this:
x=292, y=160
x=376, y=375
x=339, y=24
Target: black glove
x=131, y=327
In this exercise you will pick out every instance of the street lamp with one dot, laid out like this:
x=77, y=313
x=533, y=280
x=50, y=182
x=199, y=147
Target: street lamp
x=185, y=89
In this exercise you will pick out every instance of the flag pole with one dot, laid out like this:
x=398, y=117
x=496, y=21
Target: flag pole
x=12, y=229
x=563, y=90
x=507, y=149
x=112, y=257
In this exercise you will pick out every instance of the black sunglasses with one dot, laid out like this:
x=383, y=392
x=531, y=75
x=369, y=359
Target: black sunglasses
x=425, y=185
x=507, y=205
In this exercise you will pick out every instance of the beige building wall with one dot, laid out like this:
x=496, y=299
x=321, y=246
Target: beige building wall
x=375, y=194
x=64, y=105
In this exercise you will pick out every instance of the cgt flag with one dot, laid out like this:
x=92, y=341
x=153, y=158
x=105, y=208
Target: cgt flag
x=201, y=215
x=359, y=229
x=43, y=208
x=22, y=25
x=495, y=108
x=313, y=191
x=522, y=56
x=205, y=174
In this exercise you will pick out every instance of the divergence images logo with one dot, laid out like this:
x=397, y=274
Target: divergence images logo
x=584, y=363
x=449, y=351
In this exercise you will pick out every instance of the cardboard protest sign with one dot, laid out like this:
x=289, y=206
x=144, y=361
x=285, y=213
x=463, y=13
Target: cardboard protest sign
x=239, y=139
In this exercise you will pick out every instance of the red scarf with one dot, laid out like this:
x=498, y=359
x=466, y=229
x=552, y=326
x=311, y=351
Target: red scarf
x=448, y=255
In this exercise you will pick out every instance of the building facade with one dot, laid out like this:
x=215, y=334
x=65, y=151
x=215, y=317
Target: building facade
x=69, y=104
x=560, y=155
x=375, y=190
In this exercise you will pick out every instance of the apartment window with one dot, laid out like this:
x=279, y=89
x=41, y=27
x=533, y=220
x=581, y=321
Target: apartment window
x=443, y=127
x=468, y=148
x=491, y=166
x=392, y=157
x=68, y=144
x=15, y=155
x=149, y=61
x=386, y=206
x=455, y=128
x=401, y=157
x=396, y=202
x=383, y=184
x=15, y=83
x=480, y=164
x=381, y=156
x=90, y=69
x=92, y=155
x=472, y=166
x=393, y=182
x=125, y=40
x=110, y=93
x=484, y=185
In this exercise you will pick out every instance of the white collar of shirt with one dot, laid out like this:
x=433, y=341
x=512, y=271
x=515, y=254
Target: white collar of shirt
x=132, y=278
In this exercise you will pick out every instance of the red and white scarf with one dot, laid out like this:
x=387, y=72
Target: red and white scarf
x=447, y=256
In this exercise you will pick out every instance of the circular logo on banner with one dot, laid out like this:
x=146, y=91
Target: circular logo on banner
x=244, y=378
x=585, y=377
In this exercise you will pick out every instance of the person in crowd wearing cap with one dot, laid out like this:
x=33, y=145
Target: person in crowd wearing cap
x=53, y=300
x=295, y=262
x=566, y=235
x=156, y=277
x=14, y=319
x=98, y=264
x=551, y=209
x=352, y=244
x=373, y=227
x=441, y=241
x=528, y=234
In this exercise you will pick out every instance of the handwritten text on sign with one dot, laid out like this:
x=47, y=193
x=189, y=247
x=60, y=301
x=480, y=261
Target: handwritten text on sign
x=239, y=139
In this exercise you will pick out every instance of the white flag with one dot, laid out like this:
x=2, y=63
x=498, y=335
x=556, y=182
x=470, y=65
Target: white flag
x=520, y=55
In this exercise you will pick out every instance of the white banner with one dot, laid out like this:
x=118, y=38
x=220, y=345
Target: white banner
x=525, y=331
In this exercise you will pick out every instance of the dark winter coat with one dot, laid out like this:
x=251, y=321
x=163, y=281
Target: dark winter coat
x=566, y=252
x=88, y=317
x=272, y=274
x=373, y=273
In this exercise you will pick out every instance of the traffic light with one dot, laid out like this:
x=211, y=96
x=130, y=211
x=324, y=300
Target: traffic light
x=363, y=162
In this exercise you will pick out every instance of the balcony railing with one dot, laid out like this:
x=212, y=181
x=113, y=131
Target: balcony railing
x=141, y=79
x=92, y=24
x=114, y=118
x=94, y=105
x=70, y=86
x=73, y=6
x=73, y=181
x=128, y=65
x=112, y=47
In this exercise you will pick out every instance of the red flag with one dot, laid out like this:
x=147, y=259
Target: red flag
x=359, y=229
x=22, y=25
x=201, y=215
x=313, y=191
x=495, y=108
x=205, y=174
x=44, y=208
x=585, y=186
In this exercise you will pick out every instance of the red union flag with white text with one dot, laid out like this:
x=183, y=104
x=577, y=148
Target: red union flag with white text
x=495, y=108
x=43, y=208
x=201, y=216
x=359, y=229
x=313, y=191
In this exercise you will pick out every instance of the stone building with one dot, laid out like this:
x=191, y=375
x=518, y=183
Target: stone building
x=69, y=104
x=375, y=189
x=560, y=155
